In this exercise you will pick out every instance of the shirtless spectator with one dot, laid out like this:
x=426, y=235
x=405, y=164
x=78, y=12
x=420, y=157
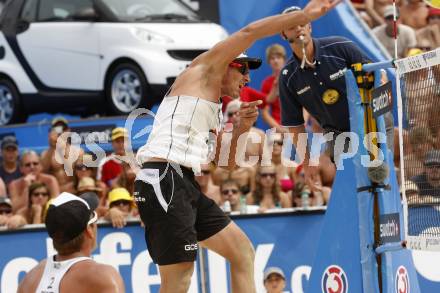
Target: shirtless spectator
x=428, y=37
x=30, y=167
x=285, y=167
x=111, y=166
x=276, y=57
x=385, y=33
x=9, y=169
x=244, y=176
x=206, y=184
x=48, y=161
x=414, y=14
x=375, y=10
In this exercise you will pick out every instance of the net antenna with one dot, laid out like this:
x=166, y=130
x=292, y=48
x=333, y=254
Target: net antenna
x=395, y=29
x=418, y=92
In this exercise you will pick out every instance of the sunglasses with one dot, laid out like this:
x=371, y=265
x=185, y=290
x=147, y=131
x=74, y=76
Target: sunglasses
x=121, y=202
x=35, y=194
x=227, y=191
x=269, y=175
x=242, y=68
x=278, y=142
x=31, y=164
x=206, y=172
x=5, y=211
x=81, y=167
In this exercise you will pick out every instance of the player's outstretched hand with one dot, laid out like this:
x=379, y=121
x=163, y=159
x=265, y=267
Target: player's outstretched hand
x=317, y=8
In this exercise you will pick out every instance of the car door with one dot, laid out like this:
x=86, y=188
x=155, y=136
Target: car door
x=61, y=46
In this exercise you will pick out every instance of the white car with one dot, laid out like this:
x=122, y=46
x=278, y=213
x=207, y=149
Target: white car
x=94, y=56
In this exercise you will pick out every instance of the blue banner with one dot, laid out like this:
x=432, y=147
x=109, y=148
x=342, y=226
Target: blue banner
x=287, y=240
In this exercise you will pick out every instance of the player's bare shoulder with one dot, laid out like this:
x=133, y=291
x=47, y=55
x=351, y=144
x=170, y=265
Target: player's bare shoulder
x=201, y=78
x=98, y=277
x=32, y=279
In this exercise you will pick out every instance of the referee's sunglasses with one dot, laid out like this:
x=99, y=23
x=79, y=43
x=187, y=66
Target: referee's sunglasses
x=243, y=68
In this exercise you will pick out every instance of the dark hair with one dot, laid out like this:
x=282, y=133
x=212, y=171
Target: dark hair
x=35, y=186
x=123, y=180
x=93, y=170
x=69, y=247
x=29, y=214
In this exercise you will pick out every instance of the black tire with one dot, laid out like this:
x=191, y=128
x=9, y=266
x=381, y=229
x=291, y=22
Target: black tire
x=113, y=106
x=10, y=103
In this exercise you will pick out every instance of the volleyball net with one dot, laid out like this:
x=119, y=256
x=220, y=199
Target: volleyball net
x=418, y=87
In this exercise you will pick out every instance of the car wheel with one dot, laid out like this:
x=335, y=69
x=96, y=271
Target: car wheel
x=9, y=103
x=126, y=89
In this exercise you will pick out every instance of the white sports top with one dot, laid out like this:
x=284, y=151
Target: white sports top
x=184, y=132
x=54, y=272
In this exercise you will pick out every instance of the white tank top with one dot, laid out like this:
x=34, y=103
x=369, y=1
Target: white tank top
x=184, y=132
x=54, y=272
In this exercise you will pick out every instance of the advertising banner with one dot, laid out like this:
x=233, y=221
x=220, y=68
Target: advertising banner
x=286, y=240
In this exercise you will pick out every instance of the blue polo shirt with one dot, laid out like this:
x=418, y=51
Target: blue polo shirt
x=307, y=87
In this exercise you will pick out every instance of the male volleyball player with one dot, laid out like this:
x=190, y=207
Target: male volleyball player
x=71, y=223
x=176, y=214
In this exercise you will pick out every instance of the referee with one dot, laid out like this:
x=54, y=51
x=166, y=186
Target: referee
x=313, y=79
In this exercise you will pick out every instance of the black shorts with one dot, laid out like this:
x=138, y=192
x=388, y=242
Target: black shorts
x=175, y=212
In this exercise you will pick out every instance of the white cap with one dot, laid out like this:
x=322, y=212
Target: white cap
x=273, y=270
x=253, y=63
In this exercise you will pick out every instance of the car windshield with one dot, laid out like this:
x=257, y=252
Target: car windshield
x=150, y=10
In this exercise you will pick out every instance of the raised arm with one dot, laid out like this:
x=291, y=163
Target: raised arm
x=225, y=51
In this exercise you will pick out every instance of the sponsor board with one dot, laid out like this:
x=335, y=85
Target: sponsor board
x=334, y=279
x=382, y=100
x=389, y=228
x=402, y=280
x=94, y=133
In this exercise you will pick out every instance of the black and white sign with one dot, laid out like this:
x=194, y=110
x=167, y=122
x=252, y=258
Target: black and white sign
x=94, y=133
x=389, y=228
x=382, y=100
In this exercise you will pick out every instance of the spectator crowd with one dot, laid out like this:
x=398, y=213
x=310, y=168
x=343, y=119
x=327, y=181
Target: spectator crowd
x=29, y=181
x=418, y=25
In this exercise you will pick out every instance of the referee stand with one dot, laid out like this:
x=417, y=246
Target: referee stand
x=361, y=247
